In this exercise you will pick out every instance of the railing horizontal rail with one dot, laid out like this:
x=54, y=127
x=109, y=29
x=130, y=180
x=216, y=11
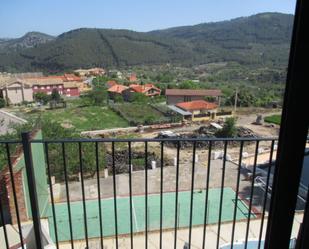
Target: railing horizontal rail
x=89, y=140
x=10, y=141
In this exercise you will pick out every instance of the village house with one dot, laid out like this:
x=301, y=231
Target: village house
x=90, y=72
x=50, y=83
x=198, y=110
x=127, y=93
x=15, y=91
x=148, y=90
x=132, y=77
x=82, y=86
x=175, y=96
x=111, y=83
x=116, y=90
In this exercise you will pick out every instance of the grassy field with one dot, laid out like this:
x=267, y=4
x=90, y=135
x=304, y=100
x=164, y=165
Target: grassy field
x=85, y=118
x=140, y=113
x=274, y=119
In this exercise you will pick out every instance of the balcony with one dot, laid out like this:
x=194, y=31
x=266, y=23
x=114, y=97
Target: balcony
x=142, y=193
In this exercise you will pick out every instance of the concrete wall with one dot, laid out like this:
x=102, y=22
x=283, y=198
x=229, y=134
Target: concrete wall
x=21, y=184
x=15, y=94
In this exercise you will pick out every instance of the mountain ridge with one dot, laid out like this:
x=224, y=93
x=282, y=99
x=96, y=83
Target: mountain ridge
x=261, y=38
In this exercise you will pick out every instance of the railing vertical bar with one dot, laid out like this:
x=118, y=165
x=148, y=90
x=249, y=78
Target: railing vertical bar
x=161, y=194
x=206, y=194
x=99, y=192
x=146, y=195
x=130, y=192
x=176, y=195
x=251, y=194
x=237, y=192
x=115, y=193
x=221, y=195
x=51, y=193
x=3, y=222
x=81, y=168
x=14, y=193
x=192, y=192
x=32, y=189
x=67, y=192
x=266, y=191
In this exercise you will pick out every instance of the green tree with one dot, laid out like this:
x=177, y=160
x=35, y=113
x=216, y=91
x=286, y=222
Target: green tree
x=229, y=128
x=139, y=98
x=97, y=96
x=118, y=98
x=244, y=98
x=55, y=95
x=2, y=103
x=41, y=97
x=189, y=85
x=99, y=81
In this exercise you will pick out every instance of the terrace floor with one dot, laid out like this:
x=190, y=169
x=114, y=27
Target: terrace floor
x=182, y=236
x=139, y=214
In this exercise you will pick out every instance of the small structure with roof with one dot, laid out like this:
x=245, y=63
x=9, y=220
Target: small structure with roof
x=116, y=90
x=200, y=110
x=149, y=90
x=15, y=91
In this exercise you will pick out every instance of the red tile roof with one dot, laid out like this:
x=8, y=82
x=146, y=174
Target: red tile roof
x=190, y=92
x=143, y=88
x=117, y=88
x=71, y=77
x=65, y=77
x=197, y=105
x=111, y=83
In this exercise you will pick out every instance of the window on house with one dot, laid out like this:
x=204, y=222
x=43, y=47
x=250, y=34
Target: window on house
x=187, y=98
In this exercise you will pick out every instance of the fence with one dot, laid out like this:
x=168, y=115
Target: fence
x=147, y=212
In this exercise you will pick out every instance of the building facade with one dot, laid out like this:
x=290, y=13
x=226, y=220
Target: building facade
x=175, y=96
x=200, y=110
x=16, y=91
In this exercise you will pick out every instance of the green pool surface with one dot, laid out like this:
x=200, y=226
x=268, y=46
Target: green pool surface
x=123, y=212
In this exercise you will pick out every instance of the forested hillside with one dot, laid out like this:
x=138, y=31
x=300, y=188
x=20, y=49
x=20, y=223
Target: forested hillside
x=259, y=40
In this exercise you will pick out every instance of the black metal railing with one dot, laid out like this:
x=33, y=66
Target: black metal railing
x=60, y=149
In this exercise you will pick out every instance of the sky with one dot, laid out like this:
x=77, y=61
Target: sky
x=54, y=17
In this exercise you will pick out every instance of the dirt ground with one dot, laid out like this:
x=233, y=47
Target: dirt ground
x=245, y=118
x=264, y=130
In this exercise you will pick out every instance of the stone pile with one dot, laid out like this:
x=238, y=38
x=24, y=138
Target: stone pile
x=207, y=132
x=121, y=160
x=245, y=132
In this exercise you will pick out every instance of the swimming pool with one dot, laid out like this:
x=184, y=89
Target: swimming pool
x=138, y=203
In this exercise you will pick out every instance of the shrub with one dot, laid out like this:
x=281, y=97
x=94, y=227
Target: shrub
x=2, y=103
x=41, y=97
x=229, y=128
x=55, y=95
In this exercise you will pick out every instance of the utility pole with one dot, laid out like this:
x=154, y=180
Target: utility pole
x=236, y=97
